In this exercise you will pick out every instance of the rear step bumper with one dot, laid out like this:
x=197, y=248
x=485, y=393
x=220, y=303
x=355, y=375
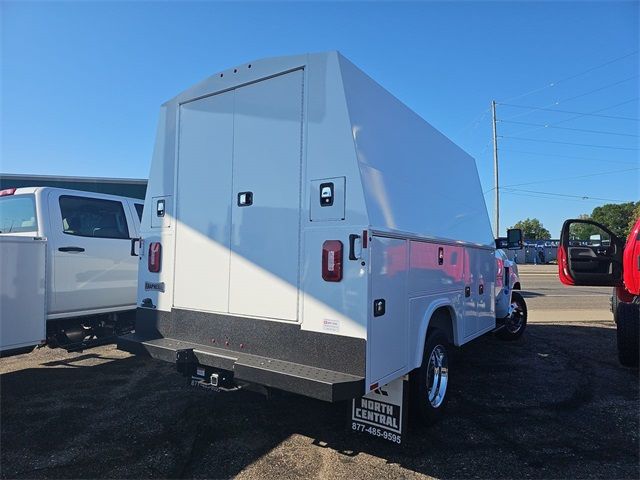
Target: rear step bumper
x=305, y=380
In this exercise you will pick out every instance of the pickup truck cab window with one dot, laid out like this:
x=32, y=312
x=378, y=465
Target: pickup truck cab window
x=139, y=207
x=18, y=214
x=93, y=217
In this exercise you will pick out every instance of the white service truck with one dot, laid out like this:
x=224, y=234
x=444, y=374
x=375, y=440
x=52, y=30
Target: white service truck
x=306, y=231
x=67, y=275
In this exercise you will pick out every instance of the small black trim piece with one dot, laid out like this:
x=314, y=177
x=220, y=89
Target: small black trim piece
x=379, y=307
x=352, y=246
x=71, y=249
x=133, y=246
x=467, y=292
x=327, y=201
x=160, y=207
x=248, y=199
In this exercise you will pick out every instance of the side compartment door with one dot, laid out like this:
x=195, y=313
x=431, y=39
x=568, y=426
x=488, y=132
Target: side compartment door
x=388, y=318
x=470, y=297
x=92, y=264
x=486, y=290
x=589, y=254
x=265, y=237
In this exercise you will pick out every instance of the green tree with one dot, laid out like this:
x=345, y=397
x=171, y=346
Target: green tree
x=532, y=229
x=634, y=217
x=583, y=231
x=615, y=216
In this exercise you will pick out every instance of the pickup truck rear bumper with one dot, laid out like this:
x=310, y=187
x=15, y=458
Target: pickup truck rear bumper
x=273, y=354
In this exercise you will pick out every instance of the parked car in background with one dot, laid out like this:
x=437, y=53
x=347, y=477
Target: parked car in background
x=600, y=258
x=67, y=276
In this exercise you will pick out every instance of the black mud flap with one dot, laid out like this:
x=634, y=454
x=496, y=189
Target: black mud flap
x=382, y=413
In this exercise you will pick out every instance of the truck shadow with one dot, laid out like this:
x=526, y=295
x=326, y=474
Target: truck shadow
x=553, y=404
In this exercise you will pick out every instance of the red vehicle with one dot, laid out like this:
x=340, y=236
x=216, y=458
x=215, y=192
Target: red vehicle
x=590, y=254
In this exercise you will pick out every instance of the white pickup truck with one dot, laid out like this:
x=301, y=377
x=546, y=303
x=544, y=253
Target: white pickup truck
x=67, y=275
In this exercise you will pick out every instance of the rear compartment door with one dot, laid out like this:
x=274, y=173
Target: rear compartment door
x=265, y=243
x=204, y=204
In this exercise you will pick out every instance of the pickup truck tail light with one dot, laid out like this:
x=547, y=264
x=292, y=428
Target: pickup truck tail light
x=499, y=272
x=332, y=260
x=155, y=257
x=7, y=191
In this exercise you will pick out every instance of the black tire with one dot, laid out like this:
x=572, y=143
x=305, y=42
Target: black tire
x=516, y=323
x=424, y=409
x=628, y=333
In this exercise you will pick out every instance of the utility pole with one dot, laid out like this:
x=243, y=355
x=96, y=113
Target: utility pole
x=496, y=185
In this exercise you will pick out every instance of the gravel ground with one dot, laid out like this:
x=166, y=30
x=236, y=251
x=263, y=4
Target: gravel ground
x=555, y=404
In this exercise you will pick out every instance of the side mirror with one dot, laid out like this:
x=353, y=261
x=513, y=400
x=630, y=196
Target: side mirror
x=501, y=243
x=514, y=239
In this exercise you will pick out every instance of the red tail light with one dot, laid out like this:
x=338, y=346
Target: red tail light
x=332, y=260
x=155, y=257
x=7, y=191
x=499, y=272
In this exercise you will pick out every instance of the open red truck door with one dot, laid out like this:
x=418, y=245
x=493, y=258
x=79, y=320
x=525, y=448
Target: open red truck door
x=589, y=254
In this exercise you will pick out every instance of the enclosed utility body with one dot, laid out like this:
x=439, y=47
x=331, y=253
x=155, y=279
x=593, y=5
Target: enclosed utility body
x=305, y=230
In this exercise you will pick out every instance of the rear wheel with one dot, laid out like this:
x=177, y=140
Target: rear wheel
x=628, y=333
x=429, y=382
x=516, y=321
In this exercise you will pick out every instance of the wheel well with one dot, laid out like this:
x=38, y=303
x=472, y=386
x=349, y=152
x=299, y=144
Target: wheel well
x=443, y=321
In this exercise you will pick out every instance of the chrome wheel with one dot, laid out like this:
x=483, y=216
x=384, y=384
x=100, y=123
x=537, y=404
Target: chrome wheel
x=437, y=375
x=515, y=320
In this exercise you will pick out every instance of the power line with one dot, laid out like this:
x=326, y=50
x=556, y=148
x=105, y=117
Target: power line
x=584, y=94
x=559, y=179
x=582, y=197
x=528, y=195
x=572, y=157
x=598, y=89
x=567, y=143
x=567, y=111
x=549, y=125
x=571, y=77
x=529, y=130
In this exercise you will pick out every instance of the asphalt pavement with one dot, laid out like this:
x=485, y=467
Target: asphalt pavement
x=555, y=404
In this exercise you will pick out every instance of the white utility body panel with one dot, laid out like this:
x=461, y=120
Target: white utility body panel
x=265, y=163
x=22, y=283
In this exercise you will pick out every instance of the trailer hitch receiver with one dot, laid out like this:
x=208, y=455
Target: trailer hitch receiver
x=185, y=361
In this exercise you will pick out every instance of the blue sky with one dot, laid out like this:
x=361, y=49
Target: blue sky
x=82, y=82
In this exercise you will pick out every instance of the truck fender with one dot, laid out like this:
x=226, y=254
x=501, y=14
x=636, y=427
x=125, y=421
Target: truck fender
x=424, y=327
